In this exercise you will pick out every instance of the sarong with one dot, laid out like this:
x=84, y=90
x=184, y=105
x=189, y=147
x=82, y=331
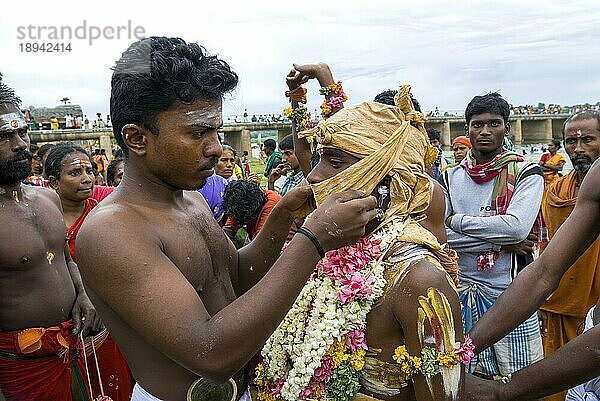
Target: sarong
x=520, y=348
x=139, y=394
x=41, y=364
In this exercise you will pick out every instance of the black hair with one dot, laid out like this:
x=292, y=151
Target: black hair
x=287, y=143
x=33, y=148
x=44, y=149
x=245, y=153
x=155, y=72
x=491, y=103
x=433, y=134
x=119, y=154
x=243, y=200
x=556, y=142
x=583, y=115
x=270, y=143
x=387, y=97
x=7, y=94
x=111, y=170
x=58, y=153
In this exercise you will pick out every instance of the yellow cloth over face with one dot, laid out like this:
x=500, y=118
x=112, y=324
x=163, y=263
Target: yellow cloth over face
x=389, y=140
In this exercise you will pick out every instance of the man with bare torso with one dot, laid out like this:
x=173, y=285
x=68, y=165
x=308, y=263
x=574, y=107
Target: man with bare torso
x=179, y=299
x=43, y=306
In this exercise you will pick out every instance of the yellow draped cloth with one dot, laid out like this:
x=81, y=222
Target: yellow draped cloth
x=389, y=140
x=579, y=288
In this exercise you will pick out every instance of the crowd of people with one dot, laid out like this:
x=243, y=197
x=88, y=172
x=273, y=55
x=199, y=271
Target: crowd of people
x=369, y=267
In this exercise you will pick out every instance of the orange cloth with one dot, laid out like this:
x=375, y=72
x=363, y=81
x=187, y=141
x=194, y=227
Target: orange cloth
x=41, y=364
x=254, y=226
x=551, y=176
x=579, y=288
x=464, y=140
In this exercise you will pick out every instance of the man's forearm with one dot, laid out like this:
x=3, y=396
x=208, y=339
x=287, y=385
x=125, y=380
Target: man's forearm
x=574, y=363
x=74, y=273
x=532, y=287
x=465, y=243
x=256, y=258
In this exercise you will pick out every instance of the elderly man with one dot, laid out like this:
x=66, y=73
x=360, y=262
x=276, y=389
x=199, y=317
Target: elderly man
x=377, y=318
x=565, y=310
x=43, y=307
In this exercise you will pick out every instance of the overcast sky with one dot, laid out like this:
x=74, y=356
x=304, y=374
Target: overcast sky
x=449, y=51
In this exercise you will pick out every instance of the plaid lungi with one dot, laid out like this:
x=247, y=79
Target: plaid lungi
x=520, y=348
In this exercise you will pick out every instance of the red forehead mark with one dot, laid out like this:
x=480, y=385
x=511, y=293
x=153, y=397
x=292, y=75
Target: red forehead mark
x=577, y=134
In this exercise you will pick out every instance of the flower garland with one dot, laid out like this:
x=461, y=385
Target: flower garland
x=298, y=116
x=431, y=359
x=319, y=348
x=335, y=96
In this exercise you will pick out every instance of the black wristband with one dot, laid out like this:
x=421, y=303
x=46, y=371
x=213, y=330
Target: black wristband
x=309, y=234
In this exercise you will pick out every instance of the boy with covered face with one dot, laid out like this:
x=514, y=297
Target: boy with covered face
x=379, y=315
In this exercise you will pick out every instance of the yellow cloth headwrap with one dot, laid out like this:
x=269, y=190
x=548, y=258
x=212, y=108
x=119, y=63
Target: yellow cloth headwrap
x=387, y=143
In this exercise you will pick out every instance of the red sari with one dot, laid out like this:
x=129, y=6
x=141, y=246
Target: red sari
x=116, y=377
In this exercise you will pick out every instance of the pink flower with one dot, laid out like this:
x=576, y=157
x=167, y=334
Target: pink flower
x=323, y=373
x=306, y=393
x=356, y=287
x=465, y=351
x=356, y=340
x=275, y=390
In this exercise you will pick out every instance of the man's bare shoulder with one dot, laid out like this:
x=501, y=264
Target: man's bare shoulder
x=41, y=193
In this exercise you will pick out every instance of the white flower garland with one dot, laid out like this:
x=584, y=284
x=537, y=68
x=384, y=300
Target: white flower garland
x=306, y=332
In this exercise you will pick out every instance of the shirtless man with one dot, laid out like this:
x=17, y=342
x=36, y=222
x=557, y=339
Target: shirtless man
x=40, y=285
x=167, y=285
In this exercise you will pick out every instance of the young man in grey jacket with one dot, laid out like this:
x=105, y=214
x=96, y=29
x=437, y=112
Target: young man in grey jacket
x=492, y=200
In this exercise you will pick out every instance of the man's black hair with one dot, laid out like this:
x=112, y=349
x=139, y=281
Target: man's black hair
x=491, y=103
x=583, y=115
x=155, y=72
x=243, y=200
x=7, y=94
x=433, y=134
x=53, y=164
x=44, y=149
x=387, y=97
x=111, y=170
x=270, y=143
x=287, y=143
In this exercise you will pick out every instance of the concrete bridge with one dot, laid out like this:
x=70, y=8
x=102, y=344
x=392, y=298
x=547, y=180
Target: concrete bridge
x=537, y=128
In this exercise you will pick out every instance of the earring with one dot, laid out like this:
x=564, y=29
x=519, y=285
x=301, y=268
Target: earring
x=383, y=192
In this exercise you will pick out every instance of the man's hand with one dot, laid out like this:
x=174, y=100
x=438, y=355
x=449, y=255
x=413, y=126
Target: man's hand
x=84, y=316
x=299, y=201
x=253, y=177
x=277, y=172
x=477, y=389
x=522, y=248
x=300, y=74
x=342, y=218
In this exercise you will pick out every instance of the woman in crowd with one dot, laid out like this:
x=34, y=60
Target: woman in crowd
x=552, y=162
x=70, y=174
x=215, y=185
